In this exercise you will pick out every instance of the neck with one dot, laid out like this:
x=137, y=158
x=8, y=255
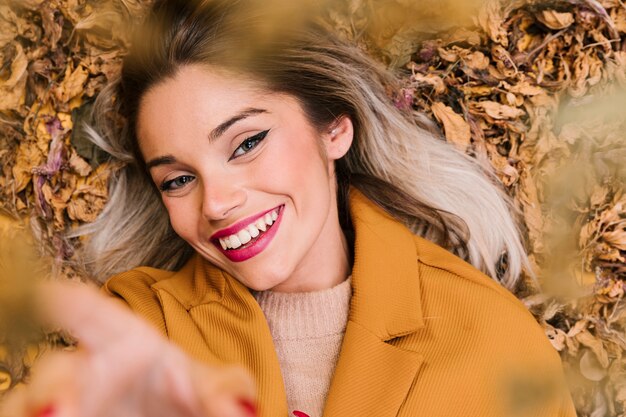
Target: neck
x=327, y=265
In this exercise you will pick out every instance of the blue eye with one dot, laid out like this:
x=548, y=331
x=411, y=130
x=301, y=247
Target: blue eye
x=249, y=144
x=176, y=183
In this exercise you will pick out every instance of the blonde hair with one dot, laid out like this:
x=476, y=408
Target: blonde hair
x=396, y=159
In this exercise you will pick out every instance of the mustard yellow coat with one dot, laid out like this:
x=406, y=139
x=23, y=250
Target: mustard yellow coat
x=428, y=334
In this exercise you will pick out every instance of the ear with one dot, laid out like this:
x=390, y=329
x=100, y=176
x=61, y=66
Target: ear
x=338, y=139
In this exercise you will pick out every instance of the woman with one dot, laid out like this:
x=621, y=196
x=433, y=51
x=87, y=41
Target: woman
x=299, y=238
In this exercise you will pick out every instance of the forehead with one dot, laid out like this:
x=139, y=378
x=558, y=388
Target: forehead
x=197, y=93
x=183, y=110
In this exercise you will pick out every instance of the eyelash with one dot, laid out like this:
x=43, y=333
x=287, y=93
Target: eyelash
x=167, y=185
x=256, y=138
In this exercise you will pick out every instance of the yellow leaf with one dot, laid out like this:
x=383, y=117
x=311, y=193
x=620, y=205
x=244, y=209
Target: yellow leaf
x=28, y=156
x=456, y=129
x=73, y=84
x=5, y=380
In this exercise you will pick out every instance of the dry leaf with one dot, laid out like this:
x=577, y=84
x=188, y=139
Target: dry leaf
x=555, y=20
x=456, y=129
x=72, y=85
x=476, y=60
x=500, y=111
x=491, y=19
x=28, y=156
x=591, y=368
x=12, y=90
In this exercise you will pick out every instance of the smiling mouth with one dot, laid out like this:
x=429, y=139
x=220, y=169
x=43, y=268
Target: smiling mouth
x=248, y=236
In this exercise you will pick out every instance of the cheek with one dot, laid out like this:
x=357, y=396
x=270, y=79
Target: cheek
x=294, y=162
x=182, y=217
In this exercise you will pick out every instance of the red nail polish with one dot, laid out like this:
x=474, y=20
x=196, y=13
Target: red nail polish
x=249, y=407
x=48, y=411
x=300, y=414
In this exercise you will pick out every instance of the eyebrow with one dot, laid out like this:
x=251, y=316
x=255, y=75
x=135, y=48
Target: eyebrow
x=161, y=160
x=223, y=127
x=214, y=135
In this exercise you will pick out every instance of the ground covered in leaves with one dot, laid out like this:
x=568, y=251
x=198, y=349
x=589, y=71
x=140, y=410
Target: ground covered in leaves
x=535, y=89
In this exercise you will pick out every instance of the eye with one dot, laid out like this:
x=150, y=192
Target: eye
x=176, y=183
x=249, y=144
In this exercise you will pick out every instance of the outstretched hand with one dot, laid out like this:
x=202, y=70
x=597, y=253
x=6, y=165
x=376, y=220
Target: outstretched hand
x=122, y=367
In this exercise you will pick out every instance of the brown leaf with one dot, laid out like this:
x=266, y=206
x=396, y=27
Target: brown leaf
x=431, y=80
x=79, y=165
x=556, y=20
x=476, y=60
x=526, y=89
x=500, y=111
x=617, y=237
x=8, y=29
x=491, y=19
x=591, y=368
x=456, y=129
x=12, y=90
x=595, y=344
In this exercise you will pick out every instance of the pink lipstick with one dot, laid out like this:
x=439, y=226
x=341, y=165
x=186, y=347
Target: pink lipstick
x=256, y=245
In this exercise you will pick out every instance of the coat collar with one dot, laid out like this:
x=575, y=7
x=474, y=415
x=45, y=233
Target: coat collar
x=373, y=376
x=386, y=293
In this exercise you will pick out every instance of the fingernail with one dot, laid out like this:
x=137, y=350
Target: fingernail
x=249, y=407
x=48, y=411
x=300, y=414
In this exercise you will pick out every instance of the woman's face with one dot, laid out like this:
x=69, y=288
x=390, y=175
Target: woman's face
x=246, y=180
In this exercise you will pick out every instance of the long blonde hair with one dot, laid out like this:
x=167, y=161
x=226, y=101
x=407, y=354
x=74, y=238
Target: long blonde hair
x=396, y=159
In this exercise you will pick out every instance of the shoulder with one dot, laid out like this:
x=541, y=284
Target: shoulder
x=463, y=303
x=478, y=338
x=134, y=288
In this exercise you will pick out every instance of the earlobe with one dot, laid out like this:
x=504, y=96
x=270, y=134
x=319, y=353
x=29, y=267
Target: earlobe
x=339, y=138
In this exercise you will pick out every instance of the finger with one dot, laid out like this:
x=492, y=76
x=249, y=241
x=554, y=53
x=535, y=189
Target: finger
x=86, y=314
x=14, y=404
x=228, y=390
x=55, y=384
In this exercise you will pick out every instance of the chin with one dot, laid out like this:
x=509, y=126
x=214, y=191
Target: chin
x=267, y=282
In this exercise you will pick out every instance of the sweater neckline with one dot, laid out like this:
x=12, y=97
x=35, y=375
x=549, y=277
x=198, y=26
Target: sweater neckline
x=304, y=315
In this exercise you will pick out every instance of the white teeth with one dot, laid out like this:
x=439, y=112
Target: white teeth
x=234, y=241
x=244, y=236
x=247, y=234
x=254, y=232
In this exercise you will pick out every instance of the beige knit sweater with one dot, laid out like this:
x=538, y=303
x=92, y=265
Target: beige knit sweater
x=307, y=329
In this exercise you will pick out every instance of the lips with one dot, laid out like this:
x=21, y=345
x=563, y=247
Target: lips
x=235, y=228
x=226, y=240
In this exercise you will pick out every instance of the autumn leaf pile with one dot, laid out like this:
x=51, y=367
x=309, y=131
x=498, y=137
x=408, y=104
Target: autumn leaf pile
x=535, y=90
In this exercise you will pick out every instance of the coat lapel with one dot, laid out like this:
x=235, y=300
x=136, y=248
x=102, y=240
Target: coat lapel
x=373, y=377
x=217, y=320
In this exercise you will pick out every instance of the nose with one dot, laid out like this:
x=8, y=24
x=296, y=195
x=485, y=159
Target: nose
x=220, y=198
